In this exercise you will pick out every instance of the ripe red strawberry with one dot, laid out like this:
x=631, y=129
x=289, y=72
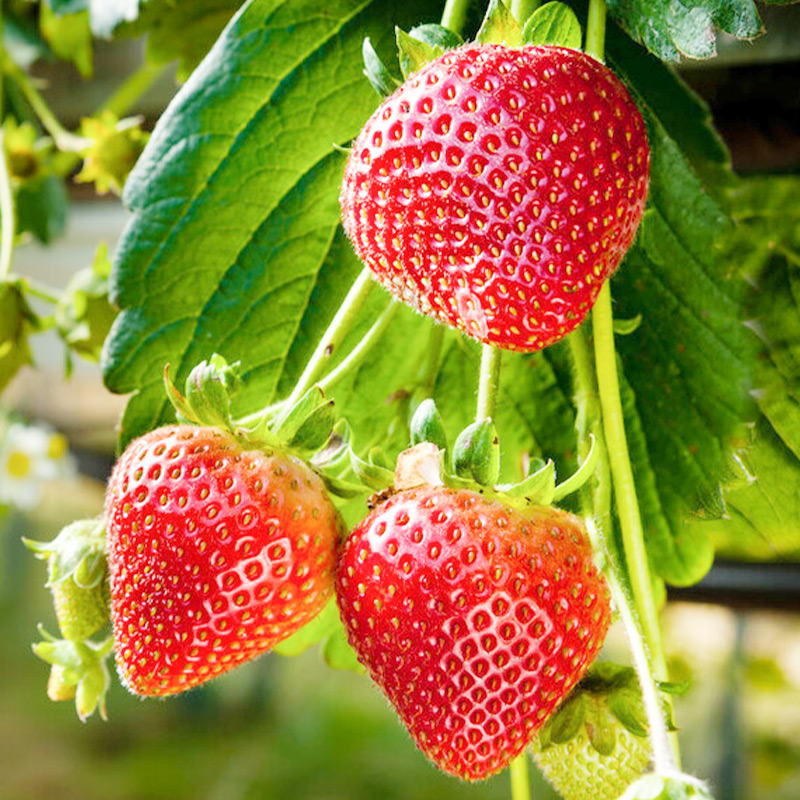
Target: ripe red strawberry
x=215, y=554
x=474, y=619
x=498, y=188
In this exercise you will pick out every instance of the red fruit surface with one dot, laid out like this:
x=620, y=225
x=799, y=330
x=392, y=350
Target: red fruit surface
x=498, y=188
x=475, y=620
x=215, y=555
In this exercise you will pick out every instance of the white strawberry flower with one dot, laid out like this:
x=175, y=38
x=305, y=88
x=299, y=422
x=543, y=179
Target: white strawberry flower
x=29, y=456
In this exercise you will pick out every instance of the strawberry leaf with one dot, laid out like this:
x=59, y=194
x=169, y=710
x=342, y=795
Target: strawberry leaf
x=670, y=29
x=760, y=495
x=234, y=236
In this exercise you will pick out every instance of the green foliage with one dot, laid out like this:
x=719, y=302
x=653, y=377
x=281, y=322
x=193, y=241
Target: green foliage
x=689, y=363
x=180, y=29
x=234, y=238
x=669, y=29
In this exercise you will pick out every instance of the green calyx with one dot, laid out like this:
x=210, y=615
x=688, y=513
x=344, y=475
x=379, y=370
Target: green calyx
x=606, y=698
x=551, y=24
x=76, y=577
x=472, y=463
x=307, y=429
x=415, y=48
x=79, y=671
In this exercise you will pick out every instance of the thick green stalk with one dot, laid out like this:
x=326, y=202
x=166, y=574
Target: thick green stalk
x=333, y=337
x=454, y=15
x=520, y=782
x=640, y=619
x=596, y=29
x=624, y=487
x=596, y=503
x=488, y=382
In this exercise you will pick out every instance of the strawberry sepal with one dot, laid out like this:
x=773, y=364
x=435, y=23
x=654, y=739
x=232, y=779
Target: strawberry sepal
x=79, y=671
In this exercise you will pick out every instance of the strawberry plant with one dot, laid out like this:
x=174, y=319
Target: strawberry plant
x=355, y=230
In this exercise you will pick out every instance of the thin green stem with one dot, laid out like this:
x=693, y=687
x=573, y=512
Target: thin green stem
x=64, y=140
x=624, y=487
x=430, y=368
x=7, y=225
x=333, y=337
x=596, y=503
x=664, y=757
x=131, y=89
x=596, y=29
x=41, y=291
x=488, y=382
x=361, y=349
x=454, y=16
x=520, y=782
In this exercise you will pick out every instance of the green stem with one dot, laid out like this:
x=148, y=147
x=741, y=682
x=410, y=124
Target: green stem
x=131, y=89
x=7, y=225
x=488, y=382
x=597, y=509
x=64, y=140
x=624, y=487
x=454, y=15
x=596, y=29
x=361, y=349
x=41, y=291
x=430, y=369
x=520, y=783
x=333, y=337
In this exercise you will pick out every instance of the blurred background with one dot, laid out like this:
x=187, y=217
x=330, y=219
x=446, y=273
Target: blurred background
x=293, y=728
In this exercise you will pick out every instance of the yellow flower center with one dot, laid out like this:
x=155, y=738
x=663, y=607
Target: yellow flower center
x=18, y=465
x=56, y=447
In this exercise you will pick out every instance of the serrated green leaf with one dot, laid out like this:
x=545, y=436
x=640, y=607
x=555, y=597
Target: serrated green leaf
x=670, y=29
x=499, y=26
x=234, y=235
x=553, y=24
x=760, y=494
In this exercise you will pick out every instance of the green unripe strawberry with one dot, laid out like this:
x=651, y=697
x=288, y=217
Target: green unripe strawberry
x=76, y=577
x=595, y=746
